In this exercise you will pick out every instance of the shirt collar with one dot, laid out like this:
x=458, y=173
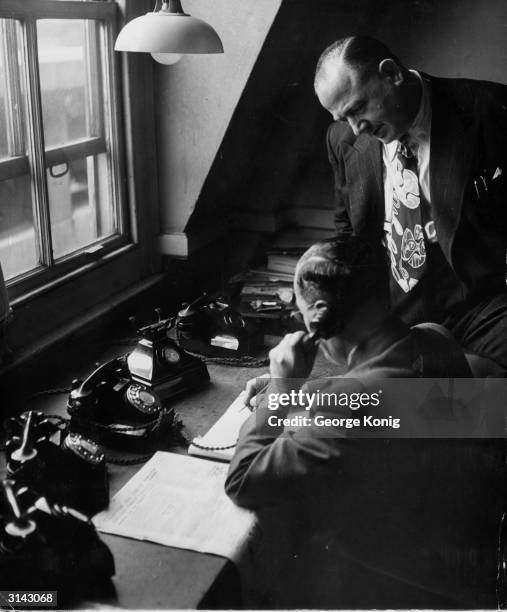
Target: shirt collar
x=391, y=331
x=419, y=132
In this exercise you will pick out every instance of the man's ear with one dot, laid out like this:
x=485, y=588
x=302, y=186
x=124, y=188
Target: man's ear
x=389, y=69
x=322, y=307
x=325, y=320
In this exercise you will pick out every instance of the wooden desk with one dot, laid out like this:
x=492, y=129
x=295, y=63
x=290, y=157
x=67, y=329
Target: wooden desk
x=151, y=576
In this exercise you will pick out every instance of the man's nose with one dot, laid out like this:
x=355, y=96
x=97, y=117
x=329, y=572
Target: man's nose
x=358, y=126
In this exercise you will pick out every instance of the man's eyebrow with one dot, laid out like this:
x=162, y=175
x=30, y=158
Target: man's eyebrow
x=353, y=106
x=350, y=109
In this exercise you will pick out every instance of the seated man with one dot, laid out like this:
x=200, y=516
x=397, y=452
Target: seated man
x=376, y=484
x=341, y=289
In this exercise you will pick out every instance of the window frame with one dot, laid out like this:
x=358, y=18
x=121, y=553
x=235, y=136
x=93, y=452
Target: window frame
x=65, y=297
x=27, y=13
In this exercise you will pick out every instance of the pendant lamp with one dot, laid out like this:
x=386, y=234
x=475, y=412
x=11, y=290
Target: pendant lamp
x=168, y=33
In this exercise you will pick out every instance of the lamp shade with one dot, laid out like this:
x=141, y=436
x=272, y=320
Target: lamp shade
x=166, y=32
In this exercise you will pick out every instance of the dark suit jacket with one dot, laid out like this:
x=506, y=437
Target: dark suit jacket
x=269, y=468
x=469, y=203
x=425, y=512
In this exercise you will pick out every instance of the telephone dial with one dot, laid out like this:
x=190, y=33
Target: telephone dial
x=212, y=327
x=47, y=546
x=71, y=471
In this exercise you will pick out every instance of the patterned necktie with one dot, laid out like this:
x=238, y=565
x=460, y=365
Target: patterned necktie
x=406, y=240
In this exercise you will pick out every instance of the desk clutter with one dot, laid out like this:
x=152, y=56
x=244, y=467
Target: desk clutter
x=56, y=480
x=266, y=294
x=57, y=476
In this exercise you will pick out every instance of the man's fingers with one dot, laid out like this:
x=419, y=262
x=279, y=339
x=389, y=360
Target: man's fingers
x=294, y=338
x=250, y=391
x=253, y=387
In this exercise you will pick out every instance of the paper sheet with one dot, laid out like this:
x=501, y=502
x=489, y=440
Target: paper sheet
x=179, y=501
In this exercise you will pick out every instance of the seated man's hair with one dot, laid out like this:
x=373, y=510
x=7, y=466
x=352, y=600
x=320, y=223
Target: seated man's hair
x=344, y=272
x=362, y=53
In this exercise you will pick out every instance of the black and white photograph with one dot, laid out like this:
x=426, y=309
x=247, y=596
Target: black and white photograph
x=253, y=305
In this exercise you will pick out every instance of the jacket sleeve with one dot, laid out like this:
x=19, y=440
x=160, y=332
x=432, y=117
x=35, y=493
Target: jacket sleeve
x=494, y=113
x=341, y=217
x=272, y=465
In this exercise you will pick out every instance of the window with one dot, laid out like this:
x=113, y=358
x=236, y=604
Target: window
x=62, y=204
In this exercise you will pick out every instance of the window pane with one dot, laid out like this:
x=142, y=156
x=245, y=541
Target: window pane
x=4, y=149
x=80, y=195
x=12, y=94
x=17, y=238
x=70, y=79
x=80, y=204
x=18, y=244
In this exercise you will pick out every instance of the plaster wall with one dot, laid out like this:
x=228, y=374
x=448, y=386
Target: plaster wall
x=196, y=98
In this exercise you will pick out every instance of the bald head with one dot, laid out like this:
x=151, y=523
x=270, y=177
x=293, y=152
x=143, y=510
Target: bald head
x=360, y=53
x=360, y=81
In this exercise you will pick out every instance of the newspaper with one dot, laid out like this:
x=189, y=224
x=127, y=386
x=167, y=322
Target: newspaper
x=179, y=501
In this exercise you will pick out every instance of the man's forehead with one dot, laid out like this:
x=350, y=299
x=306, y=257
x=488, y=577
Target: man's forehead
x=337, y=84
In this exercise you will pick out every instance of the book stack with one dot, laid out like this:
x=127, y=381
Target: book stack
x=284, y=260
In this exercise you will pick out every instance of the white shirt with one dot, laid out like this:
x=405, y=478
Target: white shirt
x=419, y=140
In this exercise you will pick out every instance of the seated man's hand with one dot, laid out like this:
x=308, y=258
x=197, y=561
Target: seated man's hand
x=253, y=389
x=292, y=358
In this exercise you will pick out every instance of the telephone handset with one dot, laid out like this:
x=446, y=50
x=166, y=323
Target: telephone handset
x=71, y=471
x=46, y=546
x=113, y=409
x=112, y=381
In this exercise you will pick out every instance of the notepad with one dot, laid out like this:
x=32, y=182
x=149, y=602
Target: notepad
x=220, y=441
x=179, y=501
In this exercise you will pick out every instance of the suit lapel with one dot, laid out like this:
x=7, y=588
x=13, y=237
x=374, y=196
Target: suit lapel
x=364, y=176
x=452, y=148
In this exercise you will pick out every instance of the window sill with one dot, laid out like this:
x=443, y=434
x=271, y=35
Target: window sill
x=74, y=274
x=42, y=345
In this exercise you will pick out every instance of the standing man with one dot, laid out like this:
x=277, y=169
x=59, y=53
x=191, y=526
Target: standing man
x=420, y=165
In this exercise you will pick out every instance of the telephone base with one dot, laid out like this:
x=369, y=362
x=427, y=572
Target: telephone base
x=133, y=438
x=190, y=376
x=245, y=345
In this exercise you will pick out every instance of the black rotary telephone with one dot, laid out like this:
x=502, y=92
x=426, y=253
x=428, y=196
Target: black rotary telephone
x=212, y=327
x=115, y=410
x=65, y=467
x=160, y=364
x=49, y=547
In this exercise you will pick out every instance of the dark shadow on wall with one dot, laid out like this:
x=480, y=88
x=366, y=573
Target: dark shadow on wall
x=278, y=124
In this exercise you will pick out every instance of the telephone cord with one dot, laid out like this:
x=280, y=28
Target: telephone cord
x=246, y=361
x=213, y=448
x=191, y=441
x=126, y=460
x=56, y=391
